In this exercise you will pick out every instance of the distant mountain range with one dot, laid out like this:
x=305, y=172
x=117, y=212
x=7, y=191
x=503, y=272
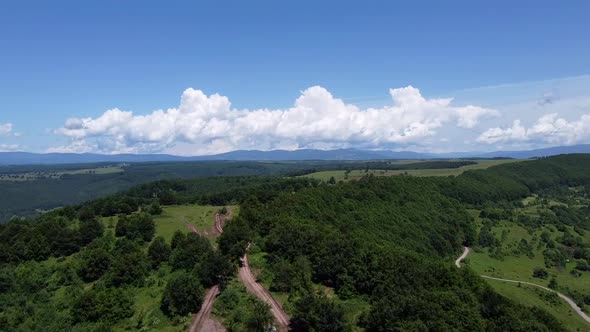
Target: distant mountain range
x=23, y=158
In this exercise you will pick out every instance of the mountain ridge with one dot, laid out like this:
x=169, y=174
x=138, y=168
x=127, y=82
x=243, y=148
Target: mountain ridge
x=24, y=158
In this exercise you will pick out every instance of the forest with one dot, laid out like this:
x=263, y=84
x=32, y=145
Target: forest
x=29, y=189
x=373, y=254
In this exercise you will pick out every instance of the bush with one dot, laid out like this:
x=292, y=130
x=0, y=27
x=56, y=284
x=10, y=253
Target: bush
x=540, y=273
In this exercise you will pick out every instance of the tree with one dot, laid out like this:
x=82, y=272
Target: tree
x=177, y=238
x=540, y=272
x=90, y=230
x=155, y=209
x=552, y=283
x=103, y=304
x=94, y=263
x=136, y=226
x=183, y=294
x=260, y=318
x=192, y=250
x=158, y=251
x=130, y=265
x=332, y=180
x=315, y=312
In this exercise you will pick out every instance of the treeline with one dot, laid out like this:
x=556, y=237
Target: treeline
x=512, y=181
x=25, y=198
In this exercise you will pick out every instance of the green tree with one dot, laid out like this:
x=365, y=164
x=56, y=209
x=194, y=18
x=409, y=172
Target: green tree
x=94, y=263
x=155, y=209
x=103, y=304
x=332, y=180
x=90, y=230
x=260, y=317
x=183, y=294
x=540, y=272
x=158, y=251
x=314, y=312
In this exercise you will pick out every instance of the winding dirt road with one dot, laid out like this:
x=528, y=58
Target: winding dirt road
x=201, y=321
x=262, y=293
x=247, y=278
x=569, y=301
x=200, y=318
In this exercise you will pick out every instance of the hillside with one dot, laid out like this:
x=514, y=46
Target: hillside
x=360, y=255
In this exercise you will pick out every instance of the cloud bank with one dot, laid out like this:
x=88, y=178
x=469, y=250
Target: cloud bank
x=549, y=128
x=208, y=124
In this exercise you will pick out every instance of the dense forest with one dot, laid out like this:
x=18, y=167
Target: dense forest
x=384, y=241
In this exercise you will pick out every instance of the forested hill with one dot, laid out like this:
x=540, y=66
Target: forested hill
x=517, y=180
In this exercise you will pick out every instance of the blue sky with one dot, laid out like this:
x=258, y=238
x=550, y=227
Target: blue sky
x=522, y=67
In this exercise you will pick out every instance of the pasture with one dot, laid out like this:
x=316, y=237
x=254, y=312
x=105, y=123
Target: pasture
x=355, y=174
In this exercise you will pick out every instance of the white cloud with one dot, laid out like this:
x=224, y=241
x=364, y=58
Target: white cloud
x=208, y=124
x=5, y=129
x=9, y=147
x=549, y=128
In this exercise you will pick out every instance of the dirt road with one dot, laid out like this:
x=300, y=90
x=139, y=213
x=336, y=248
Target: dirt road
x=462, y=257
x=569, y=301
x=199, y=323
x=218, y=223
x=262, y=293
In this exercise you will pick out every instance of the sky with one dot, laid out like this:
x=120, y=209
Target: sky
x=205, y=77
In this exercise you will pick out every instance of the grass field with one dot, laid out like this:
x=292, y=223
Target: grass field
x=357, y=174
x=176, y=217
x=532, y=296
x=57, y=175
x=518, y=266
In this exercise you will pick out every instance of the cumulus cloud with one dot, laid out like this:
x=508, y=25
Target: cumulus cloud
x=549, y=128
x=5, y=129
x=208, y=124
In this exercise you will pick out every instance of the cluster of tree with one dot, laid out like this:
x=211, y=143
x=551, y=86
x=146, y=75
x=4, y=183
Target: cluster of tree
x=47, y=236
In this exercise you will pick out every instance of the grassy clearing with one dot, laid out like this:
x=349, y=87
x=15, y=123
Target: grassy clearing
x=514, y=265
x=531, y=296
x=175, y=218
x=521, y=267
x=357, y=174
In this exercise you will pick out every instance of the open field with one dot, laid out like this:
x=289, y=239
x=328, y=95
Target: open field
x=340, y=175
x=176, y=217
x=532, y=296
x=509, y=262
x=31, y=176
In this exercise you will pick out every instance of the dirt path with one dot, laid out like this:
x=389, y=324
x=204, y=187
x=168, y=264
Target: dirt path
x=218, y=223
x=201, y=321
x=569, y=301
x=462, y=257
x=262, y=293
